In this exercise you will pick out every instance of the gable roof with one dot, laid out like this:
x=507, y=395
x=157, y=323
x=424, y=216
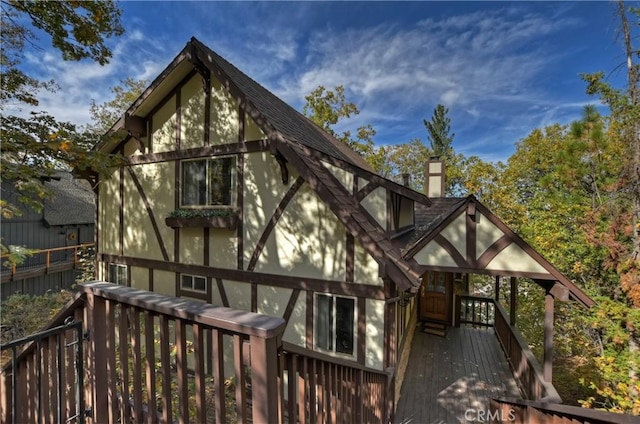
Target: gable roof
x=275, y=118
x=446, y=210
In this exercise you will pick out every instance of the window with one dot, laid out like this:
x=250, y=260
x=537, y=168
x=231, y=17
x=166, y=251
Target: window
x=208, y=182
x=193, y=283
x=118, y=274
x=335, y=324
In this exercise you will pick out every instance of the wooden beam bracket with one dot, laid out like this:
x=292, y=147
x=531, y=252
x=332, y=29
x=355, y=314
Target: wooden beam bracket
x=283, y=167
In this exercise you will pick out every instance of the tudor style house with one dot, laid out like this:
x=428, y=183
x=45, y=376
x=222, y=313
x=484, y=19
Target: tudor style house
x=230, y=196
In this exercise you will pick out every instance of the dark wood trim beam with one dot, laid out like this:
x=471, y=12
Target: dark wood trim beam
x=547, y=367
x=492, y=251
x=369, y=176
x=223, y=292
x=121, y=212
x=365, y=191
x=295, y=293
x=471, y=270
x=152, y=218
x=207, y=111
x=206, y=248
x=451, y=250
x=471, y=236
x=340, y=288
x=350, y=259
x=273, y=221
x=198, y=152
x=309, y=318
x=254, y=296
x=362, y=330
x=178, y=118
x=513, y=301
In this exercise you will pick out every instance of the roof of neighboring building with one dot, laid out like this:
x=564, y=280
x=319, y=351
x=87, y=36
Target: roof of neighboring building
x=72, y=201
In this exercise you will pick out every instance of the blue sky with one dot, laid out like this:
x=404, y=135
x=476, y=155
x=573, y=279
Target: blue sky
x=502, y=68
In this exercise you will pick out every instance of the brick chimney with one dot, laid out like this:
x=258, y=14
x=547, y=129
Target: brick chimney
x=434, y=177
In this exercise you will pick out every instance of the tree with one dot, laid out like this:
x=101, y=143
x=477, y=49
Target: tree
x=105, y=115
x=326, y=108
x=624, y=105
x=440, y=136
x=34, y=144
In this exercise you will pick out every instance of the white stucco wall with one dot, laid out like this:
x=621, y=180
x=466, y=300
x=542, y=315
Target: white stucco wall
x=376, y=204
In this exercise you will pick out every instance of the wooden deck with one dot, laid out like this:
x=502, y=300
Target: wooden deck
x=451, y=379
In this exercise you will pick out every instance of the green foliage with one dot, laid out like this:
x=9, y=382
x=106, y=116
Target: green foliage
x=326, y=108
x=35, y=144
x=106, y=114
x=200, y=213
x=15, y=255
x=617, y=384
x=22, y=314
x=86, y=264
x=440, y=136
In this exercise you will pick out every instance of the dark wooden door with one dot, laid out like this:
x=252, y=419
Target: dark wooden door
x=435, y=297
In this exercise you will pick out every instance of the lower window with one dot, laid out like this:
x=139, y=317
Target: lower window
x=118, y=274
x=193, y=283
x=335, y=324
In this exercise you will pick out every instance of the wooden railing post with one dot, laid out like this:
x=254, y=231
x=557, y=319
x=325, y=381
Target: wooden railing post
x=458, y=310
x=264, y=379
x=96, y=319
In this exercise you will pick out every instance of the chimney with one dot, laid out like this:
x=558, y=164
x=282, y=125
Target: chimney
x=406, y=179
x=434, y=177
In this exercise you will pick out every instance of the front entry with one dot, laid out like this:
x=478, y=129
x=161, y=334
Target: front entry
x=435, y=297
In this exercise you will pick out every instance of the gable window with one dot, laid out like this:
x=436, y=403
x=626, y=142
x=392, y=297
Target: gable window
x=193, y=283
x=118, y=274
x=208, y=182
x=335, y=324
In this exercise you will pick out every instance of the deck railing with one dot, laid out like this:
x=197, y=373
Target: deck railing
x=43, y=261
x=320, y=388
x=475, y=311
x=486, y=312
x=152, y=358
x=526, y=411
x=525, y=367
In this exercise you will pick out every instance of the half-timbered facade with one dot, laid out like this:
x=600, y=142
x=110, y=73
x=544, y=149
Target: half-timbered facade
x=232, y=197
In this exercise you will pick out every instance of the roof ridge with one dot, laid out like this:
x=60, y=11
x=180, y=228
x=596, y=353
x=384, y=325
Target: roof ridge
x=299, y=128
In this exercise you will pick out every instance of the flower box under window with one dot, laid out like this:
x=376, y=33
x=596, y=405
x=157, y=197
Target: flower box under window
x=207, y=218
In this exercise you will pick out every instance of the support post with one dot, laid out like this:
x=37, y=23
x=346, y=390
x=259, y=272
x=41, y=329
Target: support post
x=264, y=379
x=513, y=301
x=548, y=337
x=497, y=290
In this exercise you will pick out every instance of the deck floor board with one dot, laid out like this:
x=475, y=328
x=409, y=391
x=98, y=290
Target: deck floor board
x=449, y=379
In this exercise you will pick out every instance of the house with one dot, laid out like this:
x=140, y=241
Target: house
x=53, y=235
x=231, y=197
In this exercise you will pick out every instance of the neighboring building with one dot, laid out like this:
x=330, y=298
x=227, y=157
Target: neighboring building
x=232, y=197
x=66, y=221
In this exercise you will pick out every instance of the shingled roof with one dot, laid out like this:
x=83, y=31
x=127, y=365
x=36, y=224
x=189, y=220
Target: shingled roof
x=277, y=119
x=287, y=121
x=370, y=234
x=72, y=201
